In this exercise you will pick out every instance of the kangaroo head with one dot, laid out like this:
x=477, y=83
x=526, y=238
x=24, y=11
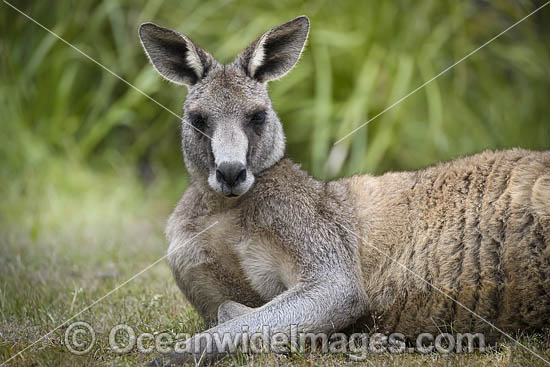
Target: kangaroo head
x=230, y=132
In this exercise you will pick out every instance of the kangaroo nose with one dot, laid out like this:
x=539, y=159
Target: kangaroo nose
x=231, y=173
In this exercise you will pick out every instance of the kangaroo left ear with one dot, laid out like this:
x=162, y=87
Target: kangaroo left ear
x=276, y=52
x=174, y=55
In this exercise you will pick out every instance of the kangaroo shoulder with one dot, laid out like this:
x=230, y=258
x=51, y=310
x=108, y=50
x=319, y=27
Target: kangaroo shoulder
x=187, y=210
x=299, y=210
x=287, y=195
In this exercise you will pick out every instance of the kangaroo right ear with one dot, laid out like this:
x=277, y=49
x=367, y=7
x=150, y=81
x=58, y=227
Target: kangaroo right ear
x=276, y=52
x=174, y=55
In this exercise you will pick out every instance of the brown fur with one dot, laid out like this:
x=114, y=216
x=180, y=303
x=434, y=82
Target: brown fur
x=256, y=241
x=477, y=228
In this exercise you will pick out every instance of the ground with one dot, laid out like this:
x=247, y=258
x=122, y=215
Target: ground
x=68, y=240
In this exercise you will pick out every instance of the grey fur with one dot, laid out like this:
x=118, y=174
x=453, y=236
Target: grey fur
x=292, y=250
x=230, y=310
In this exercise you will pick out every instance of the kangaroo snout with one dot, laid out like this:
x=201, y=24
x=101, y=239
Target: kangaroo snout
x=230, y=178
x=231, y=173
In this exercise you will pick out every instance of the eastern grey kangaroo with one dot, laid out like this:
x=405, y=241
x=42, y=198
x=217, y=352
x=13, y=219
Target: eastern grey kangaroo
x=257, y=241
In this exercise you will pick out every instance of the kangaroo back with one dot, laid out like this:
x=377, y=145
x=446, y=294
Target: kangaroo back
x=477, y=229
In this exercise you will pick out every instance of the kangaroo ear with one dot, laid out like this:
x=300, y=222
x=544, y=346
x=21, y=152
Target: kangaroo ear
x=276, y=52
x=174, y=55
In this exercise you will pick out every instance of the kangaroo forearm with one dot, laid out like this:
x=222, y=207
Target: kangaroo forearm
x=400, y=249
x=307, y=308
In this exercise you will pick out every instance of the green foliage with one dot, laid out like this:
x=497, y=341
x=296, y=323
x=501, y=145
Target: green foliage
x=361, y=57
x=90, y=168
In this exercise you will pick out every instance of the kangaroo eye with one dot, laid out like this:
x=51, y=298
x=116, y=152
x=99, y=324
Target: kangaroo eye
x=258, y=117
x=197, y=120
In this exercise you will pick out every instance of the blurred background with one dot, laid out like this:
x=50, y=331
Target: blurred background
x=62, y=112
x=90, y=169
x=69, y=129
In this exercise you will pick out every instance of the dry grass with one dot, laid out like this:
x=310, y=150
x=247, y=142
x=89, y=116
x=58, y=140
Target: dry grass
x=65, y=248
x=76, y=221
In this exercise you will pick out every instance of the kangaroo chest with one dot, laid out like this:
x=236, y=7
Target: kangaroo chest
x=262, y=264
x=255, y=261
x=269, y=269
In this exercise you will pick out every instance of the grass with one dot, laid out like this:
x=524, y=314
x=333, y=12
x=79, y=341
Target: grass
x=90, y=169
x=87, y=234
x=360, y=58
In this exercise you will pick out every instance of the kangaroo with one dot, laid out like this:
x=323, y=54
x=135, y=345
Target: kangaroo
x=256, y=241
